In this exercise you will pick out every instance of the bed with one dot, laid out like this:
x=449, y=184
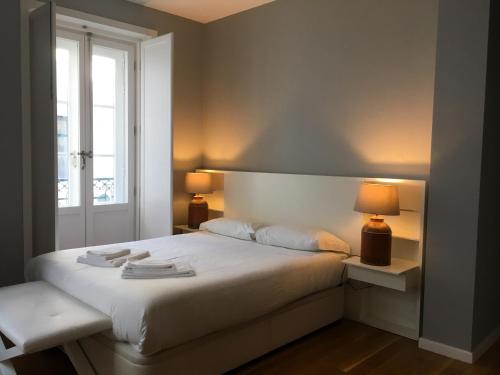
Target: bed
x=247, y=299
x=238, y=283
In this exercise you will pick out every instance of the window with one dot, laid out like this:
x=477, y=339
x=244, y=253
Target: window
x=68, y=123
x=109, y=80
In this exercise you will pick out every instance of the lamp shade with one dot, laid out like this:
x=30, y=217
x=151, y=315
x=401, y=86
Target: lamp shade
x=379, y=199
x=198, y=183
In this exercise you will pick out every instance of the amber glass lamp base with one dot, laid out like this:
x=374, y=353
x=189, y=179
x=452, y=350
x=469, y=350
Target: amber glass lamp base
x=198, y=212
x=376, y=239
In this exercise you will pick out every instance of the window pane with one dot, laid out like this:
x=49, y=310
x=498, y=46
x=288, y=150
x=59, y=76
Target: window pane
x=62, y=134
x=103, y=79
x=68, y=122
x=104, y=167
x=109, y=88
x=104, y=126
x=62, y=69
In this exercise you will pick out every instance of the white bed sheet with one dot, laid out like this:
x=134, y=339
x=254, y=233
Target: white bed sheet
x=236, y=281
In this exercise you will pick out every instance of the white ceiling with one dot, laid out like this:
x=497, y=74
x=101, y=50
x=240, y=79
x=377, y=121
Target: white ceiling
x=202, y=10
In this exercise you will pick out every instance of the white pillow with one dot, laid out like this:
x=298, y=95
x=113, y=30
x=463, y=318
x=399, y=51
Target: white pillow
x=230, y=227
x=297, y=238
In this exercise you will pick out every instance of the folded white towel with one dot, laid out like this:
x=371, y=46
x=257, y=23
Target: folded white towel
x=153, y=264
x=108, y=254
x=116, y=262
x=97, y=262
x=177, y=270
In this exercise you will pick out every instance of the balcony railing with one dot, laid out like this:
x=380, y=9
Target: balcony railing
x=104, y=191
x=63, y=192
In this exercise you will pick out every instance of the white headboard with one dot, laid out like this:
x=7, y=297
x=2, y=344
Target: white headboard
x=319, y=201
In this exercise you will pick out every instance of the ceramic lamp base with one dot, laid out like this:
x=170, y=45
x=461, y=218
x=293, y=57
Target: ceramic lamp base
x=376, y=240
x=198, y=212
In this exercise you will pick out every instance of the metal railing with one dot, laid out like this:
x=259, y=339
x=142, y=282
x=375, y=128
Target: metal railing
x=104, y=190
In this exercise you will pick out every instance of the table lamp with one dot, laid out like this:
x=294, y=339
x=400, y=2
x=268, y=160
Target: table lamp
x=376, y=236
x=198, y=183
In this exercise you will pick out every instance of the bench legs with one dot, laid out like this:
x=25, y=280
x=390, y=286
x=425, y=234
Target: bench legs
x=72, y=349
x=6, y=366
x=78, y=358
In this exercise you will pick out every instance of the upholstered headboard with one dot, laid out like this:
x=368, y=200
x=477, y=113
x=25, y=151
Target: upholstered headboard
x=319, y=201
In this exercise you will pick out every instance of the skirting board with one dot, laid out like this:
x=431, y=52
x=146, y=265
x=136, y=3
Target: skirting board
x=460, y=354
x=446, y=350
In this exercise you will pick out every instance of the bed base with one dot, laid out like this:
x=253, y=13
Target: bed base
x=221, y=351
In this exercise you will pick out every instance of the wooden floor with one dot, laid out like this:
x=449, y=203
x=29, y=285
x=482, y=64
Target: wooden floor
x=344, y=347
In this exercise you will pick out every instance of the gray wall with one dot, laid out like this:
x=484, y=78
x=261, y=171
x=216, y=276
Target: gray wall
x=321, y=87
x=11, y=188
x=453, y=201
x=187, y=80
x=487, y=297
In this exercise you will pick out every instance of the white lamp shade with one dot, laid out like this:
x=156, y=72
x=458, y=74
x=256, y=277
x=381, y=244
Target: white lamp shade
x=377, y=199
x=198, y=183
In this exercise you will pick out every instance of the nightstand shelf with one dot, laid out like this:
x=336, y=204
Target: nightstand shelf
x=400, y=275
x=405, y=238
x=185, y=229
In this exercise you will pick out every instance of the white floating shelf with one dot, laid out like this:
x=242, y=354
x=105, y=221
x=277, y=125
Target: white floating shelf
x=395, y=276
x=407, y=238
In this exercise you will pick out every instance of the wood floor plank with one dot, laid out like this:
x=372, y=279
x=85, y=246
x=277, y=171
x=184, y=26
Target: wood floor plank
x=402, y=355
x=338, y=347
x=352, y=348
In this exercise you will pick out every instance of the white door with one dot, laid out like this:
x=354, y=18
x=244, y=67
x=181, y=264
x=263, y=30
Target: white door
x=156, y=137
x=95, y=138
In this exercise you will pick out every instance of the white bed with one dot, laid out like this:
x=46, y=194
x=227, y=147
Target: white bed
x=247, y=299
x=237, y=281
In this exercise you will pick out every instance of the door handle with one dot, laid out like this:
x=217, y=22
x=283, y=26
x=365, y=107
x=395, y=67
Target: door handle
x=84, y=155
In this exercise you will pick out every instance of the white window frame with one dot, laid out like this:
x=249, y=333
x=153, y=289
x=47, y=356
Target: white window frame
x=72, y=20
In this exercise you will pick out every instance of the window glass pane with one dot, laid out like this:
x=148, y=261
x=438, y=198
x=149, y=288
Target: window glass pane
x=68, y=122
x=104, y=126
x=62, y=69
x=103, y=79
x=104, y=167
x=109, y=88
x=62, y=135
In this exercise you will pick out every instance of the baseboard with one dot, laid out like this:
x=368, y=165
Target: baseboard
x=446, y=350
x=457, y=353
x=484, y=345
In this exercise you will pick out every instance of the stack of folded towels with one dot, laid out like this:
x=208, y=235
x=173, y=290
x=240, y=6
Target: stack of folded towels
x=155, y=269
x=111, y=257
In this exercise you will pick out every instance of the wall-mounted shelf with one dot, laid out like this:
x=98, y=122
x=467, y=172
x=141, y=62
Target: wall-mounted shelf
x=397, y=276
x=406, y=238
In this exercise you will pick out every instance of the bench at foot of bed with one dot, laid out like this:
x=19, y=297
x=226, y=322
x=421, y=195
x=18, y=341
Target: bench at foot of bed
x=36, y=316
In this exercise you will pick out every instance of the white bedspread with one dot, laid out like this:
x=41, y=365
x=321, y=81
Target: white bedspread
x=235, y=281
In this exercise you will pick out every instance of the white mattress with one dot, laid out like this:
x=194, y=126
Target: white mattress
x=236, y=281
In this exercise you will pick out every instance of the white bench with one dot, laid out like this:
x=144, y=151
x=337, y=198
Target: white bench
x=37, y=316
